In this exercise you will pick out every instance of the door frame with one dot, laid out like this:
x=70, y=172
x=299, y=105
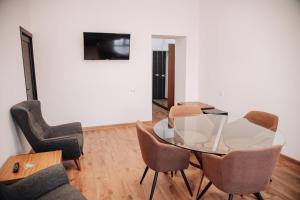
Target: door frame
x=24, y=32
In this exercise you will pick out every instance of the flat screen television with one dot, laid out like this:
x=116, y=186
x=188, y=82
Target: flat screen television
x=106, y=46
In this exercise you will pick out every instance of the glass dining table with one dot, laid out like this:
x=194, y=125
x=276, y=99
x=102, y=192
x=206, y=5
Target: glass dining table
x=215, y=134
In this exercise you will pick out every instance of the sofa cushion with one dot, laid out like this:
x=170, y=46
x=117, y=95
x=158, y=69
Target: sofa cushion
x=6, y=193
x=62, y=193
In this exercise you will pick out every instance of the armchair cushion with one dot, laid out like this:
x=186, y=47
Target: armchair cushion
x=65, y=129
x=71, y=146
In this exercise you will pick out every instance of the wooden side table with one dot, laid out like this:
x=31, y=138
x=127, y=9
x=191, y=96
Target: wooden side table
x=38, y=161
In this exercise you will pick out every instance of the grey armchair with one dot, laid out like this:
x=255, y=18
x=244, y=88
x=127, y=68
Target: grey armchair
x=48, y=184
x=42, y=137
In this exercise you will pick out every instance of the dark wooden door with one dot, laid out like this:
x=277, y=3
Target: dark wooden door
x=159, y=74
x=28, y=63
x=171, y=75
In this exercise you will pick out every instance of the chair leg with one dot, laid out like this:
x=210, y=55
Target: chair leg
x=204, y=190
x=201, y=180
x=77, y=162
x=144, y=174
x=258, y=196
x=186, y=182
x=171, y=173
x=153, y=185
x=230, y=197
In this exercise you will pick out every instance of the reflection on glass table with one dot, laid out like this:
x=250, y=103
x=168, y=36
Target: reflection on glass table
x=217, y=134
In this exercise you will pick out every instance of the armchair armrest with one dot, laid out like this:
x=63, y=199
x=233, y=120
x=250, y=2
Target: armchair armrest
x=40, y=183
x=66, y=129
x=68, y=144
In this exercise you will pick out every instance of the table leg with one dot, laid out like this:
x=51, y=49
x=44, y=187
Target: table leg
x=199, y=182
x=198, y=157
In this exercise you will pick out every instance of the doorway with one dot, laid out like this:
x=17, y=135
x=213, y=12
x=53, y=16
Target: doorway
x=163, y=72
x=28, y=64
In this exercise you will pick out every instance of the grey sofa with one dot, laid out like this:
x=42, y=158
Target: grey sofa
x=48, y=184
x=42, y=137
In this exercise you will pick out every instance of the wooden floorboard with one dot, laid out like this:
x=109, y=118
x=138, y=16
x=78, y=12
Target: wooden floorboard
x=112, y=167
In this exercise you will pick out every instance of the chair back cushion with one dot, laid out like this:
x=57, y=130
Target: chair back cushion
x=158, y=155
x=185, y=110
x=28, y=116
x=264, y=119
x=148, y=145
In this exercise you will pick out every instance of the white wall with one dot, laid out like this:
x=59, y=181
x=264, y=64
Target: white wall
x=72, y=89
x=181, y=77
x=105, y=92
x=12, y=82
x=250, y=60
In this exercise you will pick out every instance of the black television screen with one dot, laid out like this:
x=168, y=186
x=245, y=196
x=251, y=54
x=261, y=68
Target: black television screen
x=106, y=46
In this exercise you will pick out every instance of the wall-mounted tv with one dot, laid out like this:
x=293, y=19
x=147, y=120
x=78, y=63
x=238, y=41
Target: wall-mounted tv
x=106, y=46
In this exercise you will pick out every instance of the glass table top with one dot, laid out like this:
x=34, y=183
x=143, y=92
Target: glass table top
x=217, y=134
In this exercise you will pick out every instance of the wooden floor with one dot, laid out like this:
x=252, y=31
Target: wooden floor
x=112, y=167
x=163, y=102
x=158, y=113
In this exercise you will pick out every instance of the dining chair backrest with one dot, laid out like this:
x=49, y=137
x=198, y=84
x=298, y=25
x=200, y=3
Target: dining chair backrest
x=242, y=171
x=264, y=119
x=148, y=145
x=184, y=110
x=159, y=156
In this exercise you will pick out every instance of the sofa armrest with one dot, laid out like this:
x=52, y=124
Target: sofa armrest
x=40, y=183
x=68, y=144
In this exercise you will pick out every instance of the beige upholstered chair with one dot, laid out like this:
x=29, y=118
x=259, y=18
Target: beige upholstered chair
x=264, y=119
x=161, y=157
x=185, y=110
x=241, y=172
